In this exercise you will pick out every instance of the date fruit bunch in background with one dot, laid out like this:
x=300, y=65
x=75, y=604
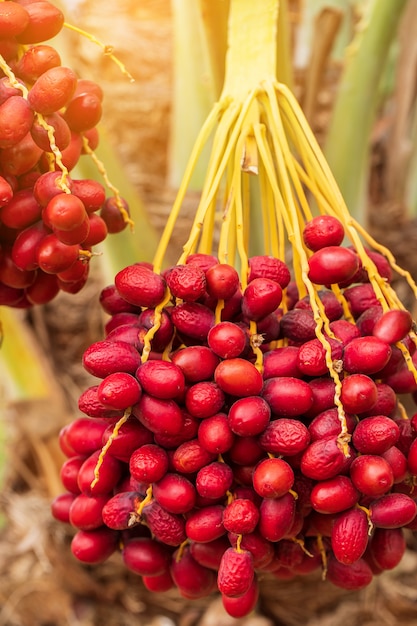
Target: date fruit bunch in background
x=249, y=417
x=49, y=223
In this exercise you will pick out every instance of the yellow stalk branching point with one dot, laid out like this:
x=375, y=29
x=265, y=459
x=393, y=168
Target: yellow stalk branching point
x=257, y=130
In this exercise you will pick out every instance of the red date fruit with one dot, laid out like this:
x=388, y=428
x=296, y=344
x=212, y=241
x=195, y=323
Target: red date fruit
x=166, y=527
x=119, y=512
x=175, y=493
x=222, y=281
x=241, y=516
x=334, y=495
x=86, y=512
x=371, y=474
x=130, y=436
x=249, y=416
x=108, y=357
x=215, y=434
x=287, y=396
x=94, y=546
x=204, y=399
x=158, y=584
x=393, y=326
x=352, y=577
x=227, y=340
x=375, y=435
x=16, y=118
x=159, y=416
x=387, y=547
x=281, y=362
x=242, y=605
x=192, y=579
x=193, y=320
x=190, y=456
x=187, y=282
x=52, y=90
x=273, y=478
x=366, y=355
x=140, y=286
x=235, y=574
x=264, y=266
x=146, y=557
x=276, y=517
x=196, y=362
x=261, y=297
x=45, y=21
x=206, y=524
x=285, y=436
x=94, y=480
x=332, y=264
x=60, y=507
x=119, y=390
x=323, y=459
x=323, y=231
x=393, y=510
x=349, y=537
x=328, y=423
x=359, y=393
x=161, y=379
x=238, y=377
x=214, y=480
x=149, y=463
x=210, y=554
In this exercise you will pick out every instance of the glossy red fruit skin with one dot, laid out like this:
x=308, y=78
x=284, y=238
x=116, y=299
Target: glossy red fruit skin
x=332, y=264
x=238, y=377
x=158, y=584
x=86, y=511
x=276, y=517
x=393, y=326
x=359, y=393
x=84, y=435
x=272, y=478
x=323, y=231
x=192, y=579
x=287, y=396
x=236, y=573
x=393, y=510
x=249, y=416
x=206, y=524
x=227, y=340
x=398, y=462
x=146, y=557
x=222, y=281
x=215, y=434
x=312, y=356
x=285, y=436
x=119, y=390
x=261, y=297
x=94, y=546
x=190, y=456
x=366, y=355
x=334, y=495
x=196, y=362
x=352, y=577
x=349, y=537
x=210, y=554
x=109, y=474
x=159, y=416
x=175, y=493
x=387, y=547
x=60, y=506
x=244, y=604
x=140, y=286
x=375, y=435
x=371, y=474
x=281, y=362
x=108, y=357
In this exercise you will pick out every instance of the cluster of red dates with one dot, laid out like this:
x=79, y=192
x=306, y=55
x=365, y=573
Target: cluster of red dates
x=227, y=438
x=48, y=116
